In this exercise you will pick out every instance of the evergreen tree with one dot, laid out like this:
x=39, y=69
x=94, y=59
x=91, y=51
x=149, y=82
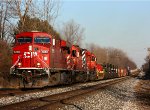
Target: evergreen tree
x=35, y=24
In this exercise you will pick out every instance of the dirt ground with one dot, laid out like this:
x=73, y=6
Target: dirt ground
x=142, y=93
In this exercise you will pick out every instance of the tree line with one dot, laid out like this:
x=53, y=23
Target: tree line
x=111, y=55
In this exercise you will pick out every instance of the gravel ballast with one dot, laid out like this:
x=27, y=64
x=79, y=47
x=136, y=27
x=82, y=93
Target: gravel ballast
x=121, y=96
x=24, y=97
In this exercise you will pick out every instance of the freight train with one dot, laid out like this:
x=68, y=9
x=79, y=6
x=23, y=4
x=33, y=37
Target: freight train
x=39, y=60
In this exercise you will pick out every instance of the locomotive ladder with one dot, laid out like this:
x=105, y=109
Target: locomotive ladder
x=14, y=64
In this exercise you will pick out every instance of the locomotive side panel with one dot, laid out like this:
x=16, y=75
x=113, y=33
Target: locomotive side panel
x=77, y=57
x=58, y=56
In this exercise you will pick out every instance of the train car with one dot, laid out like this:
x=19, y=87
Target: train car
x=99, y=72
x=80, y=72
x=116, y=71
x=105, y=70
x=124, y=72
x=111, y=71
x=61, y=63
x=108, y=71
x=30, y=56
x=89, y=64
x=119, y=72
x=38, y=59
x=128, y=70
x=93, y=67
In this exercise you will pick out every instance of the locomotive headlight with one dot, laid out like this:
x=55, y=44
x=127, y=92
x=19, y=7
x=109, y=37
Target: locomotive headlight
x=19, y=64
x=30, y=48
x=38, y=64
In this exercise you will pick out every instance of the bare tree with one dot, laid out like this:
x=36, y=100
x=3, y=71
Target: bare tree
x=4, y=19
x=73, y=32
x=10, y=11
x=111, y=55
x=51, y=9
x=13, y=12
x=101, y=53
x=20, y=9
x=46, y=9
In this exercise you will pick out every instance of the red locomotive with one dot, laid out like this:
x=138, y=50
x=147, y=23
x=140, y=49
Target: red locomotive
x=39, y=60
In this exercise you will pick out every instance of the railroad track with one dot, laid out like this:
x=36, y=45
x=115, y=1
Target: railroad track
x=58, y=100
x=5, y=92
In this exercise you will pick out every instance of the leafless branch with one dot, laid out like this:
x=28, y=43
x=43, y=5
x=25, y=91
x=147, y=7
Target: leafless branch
x=73, y=32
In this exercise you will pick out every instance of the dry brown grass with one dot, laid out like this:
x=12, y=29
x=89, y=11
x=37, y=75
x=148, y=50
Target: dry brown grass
x=143, y=86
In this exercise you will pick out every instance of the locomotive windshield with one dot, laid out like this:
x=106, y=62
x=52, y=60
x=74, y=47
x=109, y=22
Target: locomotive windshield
x=24, y=40
x=42, y=40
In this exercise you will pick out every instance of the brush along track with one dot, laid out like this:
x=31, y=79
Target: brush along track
x=52, y=101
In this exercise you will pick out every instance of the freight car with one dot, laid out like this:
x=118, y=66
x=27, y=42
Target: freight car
x=38, y=60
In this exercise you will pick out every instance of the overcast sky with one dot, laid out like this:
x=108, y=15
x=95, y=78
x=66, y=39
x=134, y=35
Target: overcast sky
x=120, y=24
